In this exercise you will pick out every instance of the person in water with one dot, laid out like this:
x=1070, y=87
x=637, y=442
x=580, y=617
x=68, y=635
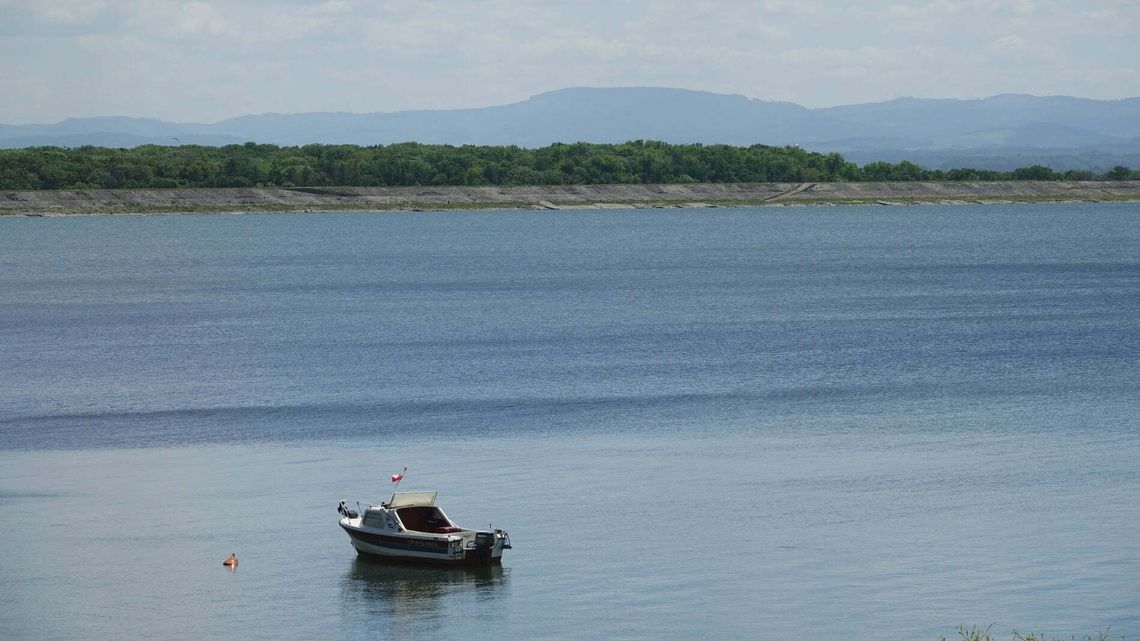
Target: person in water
x=231, y=561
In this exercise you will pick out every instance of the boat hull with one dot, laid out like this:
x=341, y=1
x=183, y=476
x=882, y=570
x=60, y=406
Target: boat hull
x=417, y=550
x=467, y=561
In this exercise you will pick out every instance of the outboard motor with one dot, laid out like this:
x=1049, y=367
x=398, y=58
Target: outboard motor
x=484, y=542
x=345, y=512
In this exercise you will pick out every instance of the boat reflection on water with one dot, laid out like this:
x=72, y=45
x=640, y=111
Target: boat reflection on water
x=417, y=599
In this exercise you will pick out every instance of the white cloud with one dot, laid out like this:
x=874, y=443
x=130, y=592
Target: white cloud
x=199, y=17
x=210, y=59
x=61, y=11
x=1016, y=48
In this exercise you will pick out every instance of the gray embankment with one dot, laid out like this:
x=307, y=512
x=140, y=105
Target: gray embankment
x=552, y=197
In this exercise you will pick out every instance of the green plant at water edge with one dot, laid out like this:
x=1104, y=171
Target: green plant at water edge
x=974, y=633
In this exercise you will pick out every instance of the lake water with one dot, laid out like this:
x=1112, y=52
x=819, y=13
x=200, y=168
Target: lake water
x=809, y=422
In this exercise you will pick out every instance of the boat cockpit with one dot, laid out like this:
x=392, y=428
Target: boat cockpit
x=426, y=518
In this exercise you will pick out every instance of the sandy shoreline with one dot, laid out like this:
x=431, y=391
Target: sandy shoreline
x=157, y=201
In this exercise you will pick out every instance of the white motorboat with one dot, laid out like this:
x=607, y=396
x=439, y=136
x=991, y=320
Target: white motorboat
x=410, y=527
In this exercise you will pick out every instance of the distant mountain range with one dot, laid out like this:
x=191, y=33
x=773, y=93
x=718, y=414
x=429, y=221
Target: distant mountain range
x=1002, y=132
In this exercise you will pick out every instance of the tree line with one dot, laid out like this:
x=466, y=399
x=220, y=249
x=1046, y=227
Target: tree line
x=414, y=164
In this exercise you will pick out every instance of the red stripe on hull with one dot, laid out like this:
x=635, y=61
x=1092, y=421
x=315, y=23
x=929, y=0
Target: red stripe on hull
x=433, y=546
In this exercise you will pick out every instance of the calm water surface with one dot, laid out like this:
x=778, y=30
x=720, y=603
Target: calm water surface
x=809, y=423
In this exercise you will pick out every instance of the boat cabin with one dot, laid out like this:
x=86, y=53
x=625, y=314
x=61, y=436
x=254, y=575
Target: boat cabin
x=410, y=511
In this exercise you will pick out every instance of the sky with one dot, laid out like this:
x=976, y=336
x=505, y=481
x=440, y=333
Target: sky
x=214, y=59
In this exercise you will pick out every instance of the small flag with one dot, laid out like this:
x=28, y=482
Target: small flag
x=396, y=478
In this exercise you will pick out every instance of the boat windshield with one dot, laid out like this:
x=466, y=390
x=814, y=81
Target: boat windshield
x=400, y=499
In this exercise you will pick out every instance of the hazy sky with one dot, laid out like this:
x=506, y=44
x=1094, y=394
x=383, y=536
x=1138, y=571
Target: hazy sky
x=210, y=60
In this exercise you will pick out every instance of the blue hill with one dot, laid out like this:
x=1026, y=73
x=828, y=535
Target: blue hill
x=1061, y=131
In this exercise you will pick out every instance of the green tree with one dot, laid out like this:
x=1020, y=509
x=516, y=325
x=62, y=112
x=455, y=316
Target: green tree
x=1119, y=172
x=1036, y=172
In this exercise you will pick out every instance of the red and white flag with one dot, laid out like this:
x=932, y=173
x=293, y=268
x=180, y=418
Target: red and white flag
x=396, y=478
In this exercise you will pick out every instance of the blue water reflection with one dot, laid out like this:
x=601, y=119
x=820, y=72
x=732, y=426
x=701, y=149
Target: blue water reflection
x=416, y=602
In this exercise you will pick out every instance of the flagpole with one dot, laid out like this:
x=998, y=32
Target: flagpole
x=396, y=478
